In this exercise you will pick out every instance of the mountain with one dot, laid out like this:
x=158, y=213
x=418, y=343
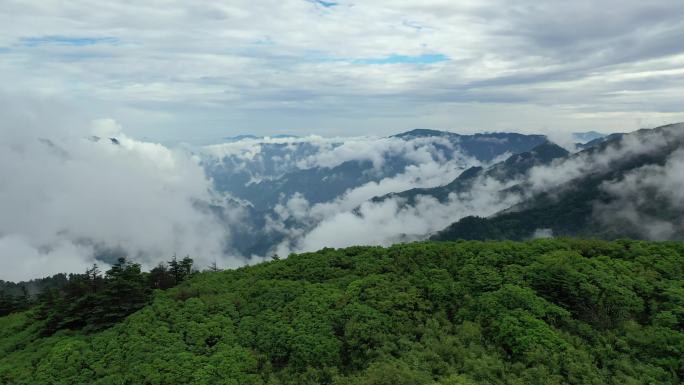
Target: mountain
x=32, y=287
x=540, y=312
x=276, y=196
x=238, y=138
x=286, y=187
x=264, y=173
x=584, y=137
x=626, y=187
x=599, y=140
x=483, y=146
x=304, y=194
x=512, y=168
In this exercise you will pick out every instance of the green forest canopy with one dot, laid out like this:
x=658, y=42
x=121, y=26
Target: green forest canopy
x=555, y=311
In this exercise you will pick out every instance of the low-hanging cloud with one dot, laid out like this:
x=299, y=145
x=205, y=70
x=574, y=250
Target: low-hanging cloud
x=70, y=193
x=313, y=151
x=391, y=220
x=551, y=176
x=647, y=202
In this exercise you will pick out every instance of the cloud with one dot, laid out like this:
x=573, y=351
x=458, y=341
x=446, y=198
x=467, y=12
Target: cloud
x=270, y=170
x=327, y=152
x=378, y=150
x=353, y=220
x=322, y=3
x=543, y=178
x=66, y=41
x=542, y=233
x=359, y=68
x=70, y=197
x=430, y=162
x=647, y=202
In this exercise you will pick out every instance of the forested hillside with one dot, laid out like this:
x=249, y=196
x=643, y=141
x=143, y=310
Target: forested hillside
x=541, y=312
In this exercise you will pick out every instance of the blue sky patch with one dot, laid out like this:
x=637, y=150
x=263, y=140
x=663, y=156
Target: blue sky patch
x=403, y=59
x=66, y=41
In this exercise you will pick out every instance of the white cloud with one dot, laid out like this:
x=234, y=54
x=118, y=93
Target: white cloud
x=347, y=222
x=66, y=197
x=184, y=70
x=550, y=176
x=648, y=201
x=428, y=168
x=542, y=233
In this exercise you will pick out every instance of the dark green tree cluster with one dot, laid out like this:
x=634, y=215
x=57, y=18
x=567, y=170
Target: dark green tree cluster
x=555, y=311
x=21, y=295
x=167, y=275
x=93, y=301
x=10, y=303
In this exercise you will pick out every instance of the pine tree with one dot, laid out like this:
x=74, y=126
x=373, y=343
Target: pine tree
x=214, y=267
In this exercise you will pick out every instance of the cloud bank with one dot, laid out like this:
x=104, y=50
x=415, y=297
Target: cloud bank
x=354, y=220
x=70, y=194
x=649, y=201
x=202, y=68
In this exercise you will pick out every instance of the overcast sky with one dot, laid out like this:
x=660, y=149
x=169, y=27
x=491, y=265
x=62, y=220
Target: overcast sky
x=197, y=70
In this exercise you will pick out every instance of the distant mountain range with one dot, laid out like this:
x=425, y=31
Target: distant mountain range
x=497, y=185
x=584, y=137
x=273, y=193
x=513, y=167
x=621, y=190
x=484, y=147
x=238, y=138
x=265, y=172
x=266, y=176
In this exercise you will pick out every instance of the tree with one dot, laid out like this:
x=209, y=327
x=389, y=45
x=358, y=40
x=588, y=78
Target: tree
x=161, y=278
x=214, y=267
x=180, y=270
x=126, y=291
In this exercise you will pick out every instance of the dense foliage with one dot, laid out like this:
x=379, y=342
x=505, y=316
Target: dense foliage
x=539, y=312
x=92, y=301
x=10, y=303
x=20, y=296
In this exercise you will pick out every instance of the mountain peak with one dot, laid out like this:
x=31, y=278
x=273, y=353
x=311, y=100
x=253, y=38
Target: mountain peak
x=588, y=136
x=549, y=151
x=422, y=132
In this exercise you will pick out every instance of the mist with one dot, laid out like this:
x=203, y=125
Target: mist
x=76, y=193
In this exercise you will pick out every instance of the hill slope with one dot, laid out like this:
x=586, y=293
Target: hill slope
x=542, y=312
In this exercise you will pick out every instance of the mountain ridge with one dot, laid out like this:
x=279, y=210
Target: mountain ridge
x=568, y=209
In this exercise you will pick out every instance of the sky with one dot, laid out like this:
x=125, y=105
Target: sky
x=199, y=70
